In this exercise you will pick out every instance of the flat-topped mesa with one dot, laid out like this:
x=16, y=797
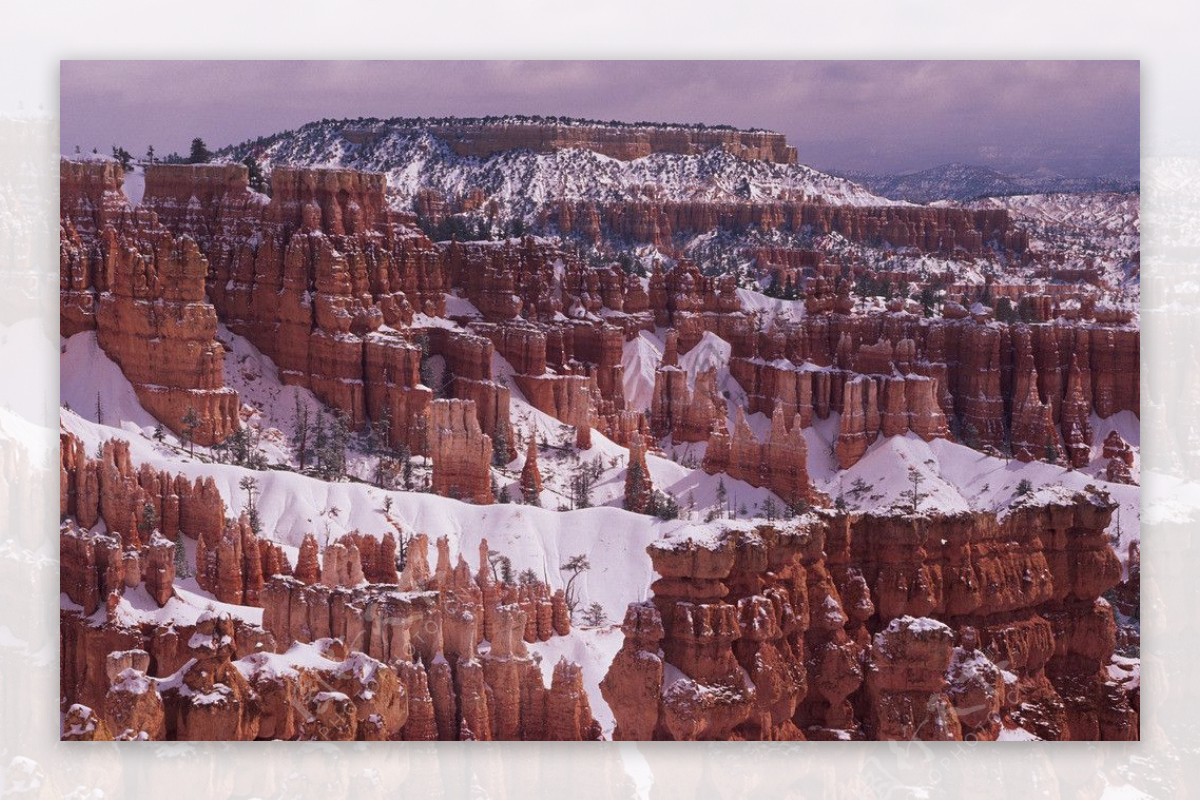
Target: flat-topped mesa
x=201, y=199
x=803, y=607
x=624, y=142
x=91, y=195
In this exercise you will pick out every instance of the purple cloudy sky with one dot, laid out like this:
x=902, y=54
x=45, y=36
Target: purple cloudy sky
x=1075, y=117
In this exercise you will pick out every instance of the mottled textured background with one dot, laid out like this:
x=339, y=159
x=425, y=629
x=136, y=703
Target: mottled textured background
x=33, y=763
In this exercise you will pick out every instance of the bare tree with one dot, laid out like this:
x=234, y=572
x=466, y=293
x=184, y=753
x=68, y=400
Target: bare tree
x=576, y=566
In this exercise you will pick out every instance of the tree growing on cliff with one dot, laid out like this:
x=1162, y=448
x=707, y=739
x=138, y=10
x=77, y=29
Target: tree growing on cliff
x=190, y=422
x=769, y=509
x=501, y=567
x=249, y=485
x=200, y=154
x=638, y=496
x=123, y=157
x=182, y=569
x=581, y=488
x=970, y=436
x=576, y=566
x=914, y=496
x=501, y=455
x=927, y=299
x=257, y=180
x=148, y=521
x=663, y=506
x=1005, y=312
x=594, y=615
x=300, y=433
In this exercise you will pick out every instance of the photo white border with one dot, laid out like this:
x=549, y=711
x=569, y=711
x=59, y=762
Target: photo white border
x=33, y=763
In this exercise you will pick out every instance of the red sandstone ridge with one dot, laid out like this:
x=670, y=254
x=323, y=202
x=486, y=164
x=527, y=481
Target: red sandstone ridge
x=929, y=229
x=780, y=463
x=131, y=500
x=310, y=275
x=838, y=627
x=142, y=290
x=394, y=660
x=681, y=408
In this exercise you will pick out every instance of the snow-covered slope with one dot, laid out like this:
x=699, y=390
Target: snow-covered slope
x=521, y=181
x=958, y=181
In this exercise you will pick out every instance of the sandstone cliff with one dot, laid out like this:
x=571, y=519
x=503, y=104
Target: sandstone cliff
x=846, y=627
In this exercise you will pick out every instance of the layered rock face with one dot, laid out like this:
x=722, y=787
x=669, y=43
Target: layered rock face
x=685, y=410
x=397, y=653
x=625, y=142
x=928, y=229
x=133, y=501
x=462, y=453
x=142, y=290
x=1026, y=389
x=310, y=275
x=325, y=280
x=780, y=463
x=847, y=627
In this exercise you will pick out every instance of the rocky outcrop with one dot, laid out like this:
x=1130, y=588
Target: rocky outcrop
x=779, y=464
x=142, y=289
x=82, y=724
x=462, y=453
x=634, y=681
x=844, y=627
x=144, y=512
x=859, y=421
x=310, y=275
x=433, y=631
x=682, y=408
x=639, y=488
x=132, y=502
x=531, y=476
x=907, y=691
x=388, y=664
x=998, y=385
x=232, y=564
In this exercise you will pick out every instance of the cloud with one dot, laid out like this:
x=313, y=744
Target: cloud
x=1075, y=116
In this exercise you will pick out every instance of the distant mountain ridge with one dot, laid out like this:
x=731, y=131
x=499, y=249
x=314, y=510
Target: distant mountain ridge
x=965, y=182
x=514, y=167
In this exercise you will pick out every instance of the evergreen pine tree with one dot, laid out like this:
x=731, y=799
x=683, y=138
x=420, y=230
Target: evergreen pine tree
x=200, y=154
x=300, y=433
x=190, y=421
x=182, y=570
